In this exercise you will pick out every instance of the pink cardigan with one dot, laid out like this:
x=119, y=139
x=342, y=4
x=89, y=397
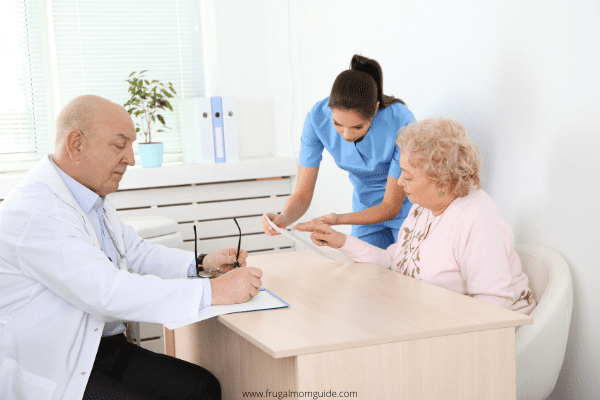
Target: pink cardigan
x=468, y=249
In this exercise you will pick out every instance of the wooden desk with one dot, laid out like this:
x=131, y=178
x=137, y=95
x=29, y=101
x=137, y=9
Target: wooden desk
x=357, y=328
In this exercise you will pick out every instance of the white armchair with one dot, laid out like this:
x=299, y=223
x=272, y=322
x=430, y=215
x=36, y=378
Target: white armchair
x=540, y=348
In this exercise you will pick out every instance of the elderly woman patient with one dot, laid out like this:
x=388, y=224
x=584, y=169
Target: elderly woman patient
x=455, y=235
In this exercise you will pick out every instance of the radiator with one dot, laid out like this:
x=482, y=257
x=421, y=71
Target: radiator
x=211, y=207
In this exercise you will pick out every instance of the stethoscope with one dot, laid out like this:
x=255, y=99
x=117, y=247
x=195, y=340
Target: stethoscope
x=112, y=239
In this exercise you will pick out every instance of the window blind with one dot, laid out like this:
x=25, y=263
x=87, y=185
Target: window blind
x=99, y=43
x=25, y=104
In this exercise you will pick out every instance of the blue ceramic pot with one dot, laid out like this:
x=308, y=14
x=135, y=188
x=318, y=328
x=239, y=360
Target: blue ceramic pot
x=152, y=154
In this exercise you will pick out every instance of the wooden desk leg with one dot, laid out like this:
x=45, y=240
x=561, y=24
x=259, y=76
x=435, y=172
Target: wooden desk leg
x=239, y=365
x=169, y=341
x=475, y=365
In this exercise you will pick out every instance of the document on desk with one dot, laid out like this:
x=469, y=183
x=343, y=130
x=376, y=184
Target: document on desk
x=264, y=300
x=308, y=245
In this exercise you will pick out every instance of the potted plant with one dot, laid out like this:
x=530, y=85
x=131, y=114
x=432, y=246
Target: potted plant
x=147, y=98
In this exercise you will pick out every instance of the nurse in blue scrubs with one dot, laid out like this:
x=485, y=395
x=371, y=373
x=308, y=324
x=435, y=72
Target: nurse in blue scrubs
x=357, y=124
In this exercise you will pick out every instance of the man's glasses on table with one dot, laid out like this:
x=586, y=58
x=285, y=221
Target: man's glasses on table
x=204, y=273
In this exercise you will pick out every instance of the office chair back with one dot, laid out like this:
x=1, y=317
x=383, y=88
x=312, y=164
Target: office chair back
x=540, y=348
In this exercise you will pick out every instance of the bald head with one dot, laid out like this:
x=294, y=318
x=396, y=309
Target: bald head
x=94, y=139
x=82, y=113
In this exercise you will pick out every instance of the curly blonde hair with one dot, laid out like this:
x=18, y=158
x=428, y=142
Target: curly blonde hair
x=443, y=150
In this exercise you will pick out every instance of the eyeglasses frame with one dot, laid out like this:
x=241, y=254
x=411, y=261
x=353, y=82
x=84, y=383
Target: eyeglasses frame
x=201, y=271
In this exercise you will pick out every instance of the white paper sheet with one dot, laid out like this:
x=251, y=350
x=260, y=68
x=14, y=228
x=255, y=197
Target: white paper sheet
x=264, y=300
x=337, y=256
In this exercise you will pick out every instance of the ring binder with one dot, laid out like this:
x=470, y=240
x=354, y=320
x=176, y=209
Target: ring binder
x=209, y=130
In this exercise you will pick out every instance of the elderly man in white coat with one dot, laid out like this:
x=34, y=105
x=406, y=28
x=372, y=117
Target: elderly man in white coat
x=71, y=274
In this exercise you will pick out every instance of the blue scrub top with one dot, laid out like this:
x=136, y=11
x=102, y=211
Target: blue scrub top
x=368, y=162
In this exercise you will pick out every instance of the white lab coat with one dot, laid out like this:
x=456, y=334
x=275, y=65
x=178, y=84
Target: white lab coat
x=57, y=288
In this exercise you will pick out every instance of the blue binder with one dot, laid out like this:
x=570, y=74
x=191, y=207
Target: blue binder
x=219, y=135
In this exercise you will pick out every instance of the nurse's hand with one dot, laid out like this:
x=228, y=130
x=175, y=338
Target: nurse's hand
x=279, y=220
x=322, y=234
x=224, y=258
x=329, y=219
x=237, y=286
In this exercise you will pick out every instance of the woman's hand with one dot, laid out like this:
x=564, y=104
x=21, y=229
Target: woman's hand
x=224, y=259
x=322, y=234
x=279, y=220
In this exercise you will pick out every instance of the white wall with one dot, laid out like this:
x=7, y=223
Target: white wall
x=237, y=57
x=524, y=77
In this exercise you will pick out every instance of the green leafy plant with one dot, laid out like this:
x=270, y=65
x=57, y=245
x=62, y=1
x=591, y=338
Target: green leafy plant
x=147, y=98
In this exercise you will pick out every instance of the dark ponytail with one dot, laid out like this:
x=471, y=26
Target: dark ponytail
x=360, y=88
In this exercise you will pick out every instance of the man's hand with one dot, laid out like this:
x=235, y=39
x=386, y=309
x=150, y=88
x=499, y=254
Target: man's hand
x=322, y=234
x=237, y=286
x=224, y=258
x=279, y=220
